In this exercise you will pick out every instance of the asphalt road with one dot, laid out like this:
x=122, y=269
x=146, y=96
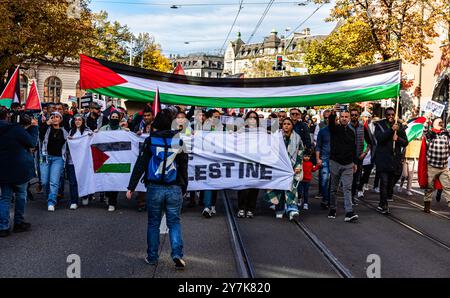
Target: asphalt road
x=114, y=244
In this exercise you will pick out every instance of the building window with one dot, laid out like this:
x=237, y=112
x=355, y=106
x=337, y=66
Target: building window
x=23, y=88
x=52, y=89
x=78, y=91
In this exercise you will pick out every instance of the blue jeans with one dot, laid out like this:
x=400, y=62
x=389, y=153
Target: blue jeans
x=5, y=201
x=325, y=183
x=168, y=199
x=210, y=198
x=304, y=189
x=51, y=168
x=72, y=184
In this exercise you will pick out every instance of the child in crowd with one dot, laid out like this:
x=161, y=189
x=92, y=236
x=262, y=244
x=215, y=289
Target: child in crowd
x=308, y=169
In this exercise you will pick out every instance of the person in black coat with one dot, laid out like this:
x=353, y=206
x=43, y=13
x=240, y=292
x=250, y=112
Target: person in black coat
x=17, y=162
x=388, y=159
x=300, y=127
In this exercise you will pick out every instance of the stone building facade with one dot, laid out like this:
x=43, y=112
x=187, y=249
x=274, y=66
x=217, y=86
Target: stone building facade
x=240, y=56
x=201, y=65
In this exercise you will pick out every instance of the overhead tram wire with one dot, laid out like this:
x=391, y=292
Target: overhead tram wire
x=301, y=24
x=232, y=25
x=261, y=19
x=190, y=4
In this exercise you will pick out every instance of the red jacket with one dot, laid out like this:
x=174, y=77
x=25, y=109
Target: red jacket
x=308, y=169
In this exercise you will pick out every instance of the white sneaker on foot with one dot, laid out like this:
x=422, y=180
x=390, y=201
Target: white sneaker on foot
x=73, y=206
x=85, y=202
x=213, y=209
x=399, y=189
x=305, y=206
x=51, y=208
x=111, y=208
x=279, y=215
x=294, y=215
x=376, y=189
x=360, y=194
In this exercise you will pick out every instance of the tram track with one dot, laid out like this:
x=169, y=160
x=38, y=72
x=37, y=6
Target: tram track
x=410, y=227
x=244, y=264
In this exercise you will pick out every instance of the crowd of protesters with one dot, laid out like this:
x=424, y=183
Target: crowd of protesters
x=342, y=147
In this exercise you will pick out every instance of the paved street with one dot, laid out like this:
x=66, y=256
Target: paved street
x=114, y=244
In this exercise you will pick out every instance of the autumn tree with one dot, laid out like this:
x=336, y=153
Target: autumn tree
x=148, y=52
x=110, y=40
x=41, y=31
x=398, y=28
x=348, y=46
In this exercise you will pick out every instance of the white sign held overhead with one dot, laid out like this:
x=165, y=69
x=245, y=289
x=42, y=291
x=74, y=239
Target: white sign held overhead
x=435, y=108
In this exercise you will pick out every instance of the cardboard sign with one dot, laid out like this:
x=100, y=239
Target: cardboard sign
x=435, y=108
x=85, y=101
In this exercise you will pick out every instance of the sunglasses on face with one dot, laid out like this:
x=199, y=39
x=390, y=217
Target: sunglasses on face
x=354, y=115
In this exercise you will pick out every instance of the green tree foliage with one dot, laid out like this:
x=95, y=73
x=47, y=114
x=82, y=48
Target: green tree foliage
x=111, y=40
x=41, y=31
x=398, y=28
x=349, y=46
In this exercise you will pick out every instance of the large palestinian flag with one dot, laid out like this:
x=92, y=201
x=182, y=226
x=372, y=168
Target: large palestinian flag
x=371, y=82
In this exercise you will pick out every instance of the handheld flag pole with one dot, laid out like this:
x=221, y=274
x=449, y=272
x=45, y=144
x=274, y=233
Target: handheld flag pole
x=396, y=121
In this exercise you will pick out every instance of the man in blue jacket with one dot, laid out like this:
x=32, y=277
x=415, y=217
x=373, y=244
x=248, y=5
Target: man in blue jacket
x=17, y=170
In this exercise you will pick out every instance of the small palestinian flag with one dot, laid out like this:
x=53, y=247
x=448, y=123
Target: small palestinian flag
x=373, y=82
x=11, y=93
x=33, y=102
x=415, y=128
x=179, y=70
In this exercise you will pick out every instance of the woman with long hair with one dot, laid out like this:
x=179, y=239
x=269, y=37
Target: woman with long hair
x=286, y=201
x=52, y=138
x=247, y=197
x=78, y=129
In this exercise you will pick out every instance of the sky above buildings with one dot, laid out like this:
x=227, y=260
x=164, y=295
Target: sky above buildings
x=203, y=28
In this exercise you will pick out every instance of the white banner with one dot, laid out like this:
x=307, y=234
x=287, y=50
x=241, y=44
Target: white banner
x=217, y=160
x=239, y=161
x=104, y=161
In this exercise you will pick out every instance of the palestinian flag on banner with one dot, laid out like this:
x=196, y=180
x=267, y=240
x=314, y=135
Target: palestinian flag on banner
x=371, y=82
x=415, y=128
x=11, y=93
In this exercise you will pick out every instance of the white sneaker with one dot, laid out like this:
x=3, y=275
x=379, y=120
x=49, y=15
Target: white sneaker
x=366, y=187
x=213, y=209
x=294, y=215
x=399, y=189
x=279, y=215
x=51, y=208
x=111, y=208
x=305, y=206
x=409, y=193
x=85, y=202
x=73, y=206
x=376, y=189
x=360, y=194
